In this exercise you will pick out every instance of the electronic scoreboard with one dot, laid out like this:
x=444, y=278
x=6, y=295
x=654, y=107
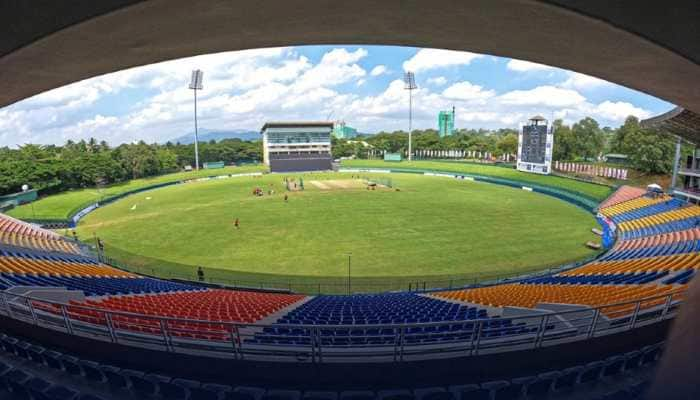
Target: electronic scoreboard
x=535, y=143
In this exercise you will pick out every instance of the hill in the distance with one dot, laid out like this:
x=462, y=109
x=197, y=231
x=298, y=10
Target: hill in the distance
x=206, y=135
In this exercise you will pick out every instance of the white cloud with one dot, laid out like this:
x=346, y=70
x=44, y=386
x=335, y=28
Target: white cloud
x=467, y=91
x=548, y=96
x=378, y=70
x=426, y=59
x=583, y=82
x=527, y=66
x=336, y=67
x=618, y=111
x=244, y=89
x=437, y=81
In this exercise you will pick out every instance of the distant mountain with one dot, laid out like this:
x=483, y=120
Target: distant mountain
x=206, y=135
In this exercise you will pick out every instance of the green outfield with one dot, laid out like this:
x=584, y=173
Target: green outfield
x=594, y=191
x=430, y=226
x=60, y=206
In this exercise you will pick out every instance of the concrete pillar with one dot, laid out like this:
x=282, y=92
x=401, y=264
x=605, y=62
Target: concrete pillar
x=676, y=161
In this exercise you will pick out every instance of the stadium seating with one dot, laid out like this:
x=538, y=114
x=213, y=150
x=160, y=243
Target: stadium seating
x=37, y=242
x=379, y=308
x=622, y=194
x=670, y=218
x=670, y=248
x=657, y=240
x=680, y=278
x=529, y=295
x=44, y=372
x=39, y=254
x=662, y=263
x=21, y=234
x=20, y=265
x=667, y=204
x=99, y=286
x=355, y=311
x=633, y=204
x=217, y=306
x=606, y=279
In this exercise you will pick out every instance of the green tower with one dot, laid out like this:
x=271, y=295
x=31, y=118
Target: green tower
x=446, y=123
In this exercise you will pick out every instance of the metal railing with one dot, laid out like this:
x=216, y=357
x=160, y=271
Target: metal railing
x=341, y=343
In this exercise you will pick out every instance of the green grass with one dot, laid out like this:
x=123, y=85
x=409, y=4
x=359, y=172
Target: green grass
x=59, y=206
x=431, y=229
x=594, y=191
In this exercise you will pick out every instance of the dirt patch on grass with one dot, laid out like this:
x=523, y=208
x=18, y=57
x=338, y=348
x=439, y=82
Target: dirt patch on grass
x=338, y=184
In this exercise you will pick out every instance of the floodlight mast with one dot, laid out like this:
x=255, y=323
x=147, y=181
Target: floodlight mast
x=410, y=84
x=196, y=84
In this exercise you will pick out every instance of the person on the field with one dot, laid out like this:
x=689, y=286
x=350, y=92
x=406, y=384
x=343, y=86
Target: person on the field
x=200, y=274
x=285, y=197
x=236, y=223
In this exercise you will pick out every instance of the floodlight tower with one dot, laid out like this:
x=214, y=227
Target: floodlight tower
x=196, y=84
x=409, y=80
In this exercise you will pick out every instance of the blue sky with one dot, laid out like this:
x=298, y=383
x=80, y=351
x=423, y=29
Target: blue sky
x=358, y=84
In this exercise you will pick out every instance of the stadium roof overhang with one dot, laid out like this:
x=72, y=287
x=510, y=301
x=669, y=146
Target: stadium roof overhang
x=651, y=46
x=679, y=121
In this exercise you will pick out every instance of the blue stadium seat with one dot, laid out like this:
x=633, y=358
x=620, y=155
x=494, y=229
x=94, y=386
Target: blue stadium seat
x=395, y=394
x=92, y=371
x=115, y=379
x=100, y=286
x=517, y=388
x=544, y=384
x=359, y=310
x=139, y=384
x=275, y=394
x=71, y=365
x=36, y=354
x=569, y=378
x=16, y=380
x=245, y=393
x=36, y=254
x=469, y=392
x=166, y=388
x=592, y=372
x=614, y=365
x=318, y=395
x=673, y=226
x=4, y=369
x=433, y=393
x=90, y=397
x=36, y=387
x=642, y=212
x=52, y=359
x=221, y=391
x=357, y=395
x=602, y=279
x=58, y=392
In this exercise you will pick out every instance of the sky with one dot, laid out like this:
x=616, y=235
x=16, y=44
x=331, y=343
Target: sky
x=361, y=85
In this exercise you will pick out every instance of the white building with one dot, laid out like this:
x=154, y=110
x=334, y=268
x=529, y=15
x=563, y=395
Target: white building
x=297, y=146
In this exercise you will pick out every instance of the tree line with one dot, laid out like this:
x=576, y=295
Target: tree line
x=648, y=150
x=91, y=163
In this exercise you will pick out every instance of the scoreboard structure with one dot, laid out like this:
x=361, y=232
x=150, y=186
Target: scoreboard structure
x=535, y=143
